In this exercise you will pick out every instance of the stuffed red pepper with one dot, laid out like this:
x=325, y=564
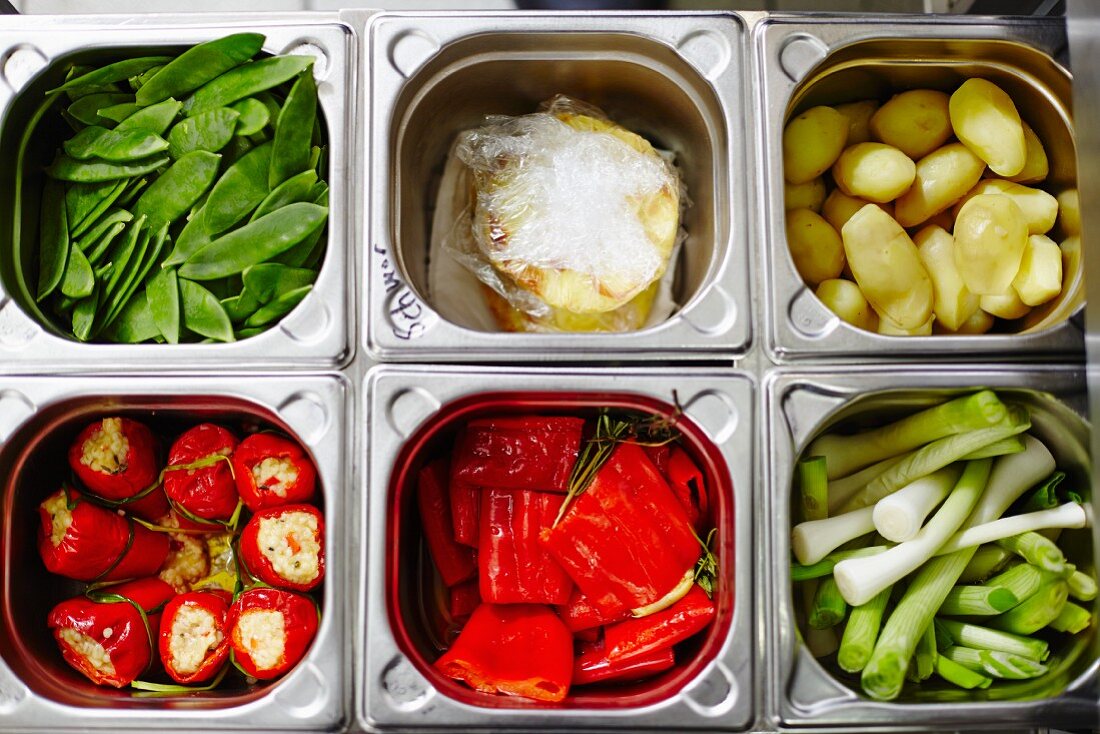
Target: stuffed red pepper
x=270, y=630
x=116, y=460
x=199, y=480
x=285, y=547
x=271, y=471
x=194, y=639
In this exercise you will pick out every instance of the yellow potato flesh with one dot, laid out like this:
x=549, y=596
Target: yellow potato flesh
x=1040, y=209
x=1036, y=166
x=887, y=267
x=1069, y=212
x=979, y=323
x=874, y=171
x=990, y=237
x=815, y=246
x=1071, y=258
x=812, y=142
x=953, y=304
x=1040, y=276
x=915, y=122
x=809, y=195
x=944, y=220
x=886, y=327
x=846, y=300
x=986, y=121
x=839, y=208
x=943, y=177
x=1005, y=305
x=859, y=119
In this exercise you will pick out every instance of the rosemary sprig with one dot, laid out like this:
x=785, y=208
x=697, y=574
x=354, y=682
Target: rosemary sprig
x=706, y=568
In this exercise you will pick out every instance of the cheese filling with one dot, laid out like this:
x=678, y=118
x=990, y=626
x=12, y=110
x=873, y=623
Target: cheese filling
x=60, y=517
x=289, y=542
x=194, y=634
x=187, y=562
x=106, y=449
x=262, y=634
x=275, y=474
x=88, y=649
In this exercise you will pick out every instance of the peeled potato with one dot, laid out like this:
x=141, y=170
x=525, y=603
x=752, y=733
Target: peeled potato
x=815, y=246
x=1036, y=166
x=874, y=171
x=887, y=267
x=809, y=195
x=1071, y=259
x=812, y=142
x=859, y=119
x=887, y=327
x=952, y=303
x=839, y=208
x=1005, y=305
x=1040, y=276
x=986, y=121
x=990, y=237
x=979, y=323
x=944, y=220
x=1040, y=209
x=1069, y=212
x=915, y=122
x=846, y=300
x=943, y=177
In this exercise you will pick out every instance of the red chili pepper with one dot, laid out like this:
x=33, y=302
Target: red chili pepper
x=464, y=599
x=519, y=452
x=659, y=456
x=455, y=562
x=593, y=666
x=117, y=478
x=626, y=541
x=271, y=533
x=179, y=630
x=465, y=506
x=580, y=614
x=514, y=567
x=636, y=637
x=207, y=492
x=518, y=649
x=270, y=630
x=687, y=483
x=285, y=474
x=115, y=623
x=98, y=544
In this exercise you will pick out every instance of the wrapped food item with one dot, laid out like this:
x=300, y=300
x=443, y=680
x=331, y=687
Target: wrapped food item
x=194, y=641
x=271, y=471
x=270, y=630
x=116, y=459
x=568, y=219
x=285, y=547
x=108, y=635
x=86, y=542
x=199, y=481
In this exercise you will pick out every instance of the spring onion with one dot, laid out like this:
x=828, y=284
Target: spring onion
x=1036, y=550
x=961, y=676
x=984, y=638
x=1035, y=612
x=1012, y=476
x=814, y=487
x=1070, y=515
x=1072, y=619
x=825, y=566
x=978, y=601
x=1023, y=580
x=813, y=540
x=1010, y=445
x=861, y=632
x=823, y=642
x=1044, y=496
x=841, y=490
x=1081, y=586
x=925, y=656
x=987, y=561
x=995, y=663
x=900, y=516
x=829, y=607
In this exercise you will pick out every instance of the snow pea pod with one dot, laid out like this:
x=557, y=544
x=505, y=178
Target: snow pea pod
x=118, y=112
x=154, y=246
x=238, y=191
x=241, y=306
x=157, y=118
x=254, y=116
x=200, y=64
x=94, y=233
x=86, y=109
x=121, y=255
x=140, y=80
x=162, y=294
x=133, y=190
x=278, y=308
x=268, y=281
x=84, y=315
x=211, y=131
x=115, y=146
x=178, y=188
x=97, y=211
x=53, y=239
x=119, y=71
x=135, y=324
x=81, y=199
x=192, y=239
x=295, y=189
x=202, y=313
x=79, y=281
x=292, y=149
x=245, y=81
x=68, y=169
x=308, y=252
x=101, y=246
x=255, y=242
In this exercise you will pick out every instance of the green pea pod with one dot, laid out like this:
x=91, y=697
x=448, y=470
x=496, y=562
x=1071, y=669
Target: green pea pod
x=238, y=148
x=114, y=146
x=81, y=199
x=157, y=118
x=112, y=299
x=118, y=112
x=178, y=188
x=268, y=281
x=278, y=308
x=119, y=71
x=140, y=80
x=291, y=153
x=86, y=109
x=100, y=248
x=295, y=189
x=162, y=294
x=53, y=239
x=120, y=256
x=238, y=191
x=249, y=333
x=316, y=153
x=78, y=281
x=192, y=239
x=273, y=106
x=203, y=314
x=84, y=315
x=254, y=116
x=211, y=131
x=199, y=65
x=84, y=90
x=308, y=252
x=241, y=306
x=67, y=169
x=245, y=81
x=99, y=209
x=95, y=233
x=256, y=242
x=135, y=324
x=138, y=274
x=133, y=190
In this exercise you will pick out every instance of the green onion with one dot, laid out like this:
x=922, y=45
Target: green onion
x=987, y=561
x=1023, y=580
x=812, y=540
x=971, y=635
x=1070, y=515
x=1044, y=496
x=829, y=606
x=820, y=643
x=814, y=487
x=978, y=601
x=1081, y=586
x=841, y=490
x=1035, y=612
x=1071, y=619
x=825, y=566
x=1010, y=445
x=963, y=677
x=925, y=656
x=1012, y=476
x=900, y=516
x=1036, y=550
x=995, y=663
x=861, y=632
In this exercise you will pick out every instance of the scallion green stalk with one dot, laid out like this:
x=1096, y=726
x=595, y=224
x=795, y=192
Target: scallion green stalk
x=861, y=632
x=984, y=638
x=996, y=664
x=925, y=656
x=1036, y=550
x=978, y=601
x=820, y=643
x=1044, y=496
x=840, y=490
x=1082, y=586
x=1010, y=445
x=814, y=487
x=825, y=566
x=987, y=561
x=961, y=676
x=1035, y=612
x=1072, y=619
x=829, y=607
x=1023, y=580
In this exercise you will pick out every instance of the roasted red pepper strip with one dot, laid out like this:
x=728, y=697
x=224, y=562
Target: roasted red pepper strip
x=272, y=471
x=463, y=600
x=592, y=665
x=520, y=452
x=518, y=649
x=86, y=542
x=194, y=637
x=626, y=541
x=270, y=630
x=659, y=456
x=455, y=562
x=285, y=547
x=636, y=637
x=207, y=492
x=514, y=567
x=687, y=483
x=108, y=641
x=116, y=459
x=465, y=507
x=580, y=614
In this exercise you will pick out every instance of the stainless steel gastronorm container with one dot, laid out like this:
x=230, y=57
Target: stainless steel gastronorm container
x=802, y=62
x=802, y=403
x=317, y=334
x=677, y=79
x=393, y=694
x=39, y=692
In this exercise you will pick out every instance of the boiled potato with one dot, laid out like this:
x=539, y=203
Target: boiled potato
x=815, y=246
x=1069, y=212
x=1040, y=208
x=809, y=195
x=943, y=177
x=839, y=208
x=846, y=300
x=1005, y=305
x=1071, y=257
x=859, y=119
x=812, y=142
x=944, y=220
x=887, y=327
x=1040, y=276
x=887, y=267
x=979, y=323
x=915, y=122
x=952, y=303
x=986, y=121
x=990, y=237
x=1036, y=166
x=874, y=171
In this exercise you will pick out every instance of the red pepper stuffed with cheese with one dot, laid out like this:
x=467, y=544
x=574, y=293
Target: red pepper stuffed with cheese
x=285, y=547
x=271, y=471
x=194, y=636
x=270, y=630
x=199, y=480
x=116, y=460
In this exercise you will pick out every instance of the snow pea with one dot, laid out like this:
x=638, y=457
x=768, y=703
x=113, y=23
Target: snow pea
x=84, y=90
x=294, y=130
x=202, y=313
x=211, y=131
x=121, y=254
x=162, y=293
x=79, y=281
x=81, y=199
x=156, y=118
x=115, y=146
x=249, y=333
x=84, y=315
x=104, y=242
x=254, y=116
x=268, y=281
x=278, y=308
x=238, y=191
x=68, y=169
x=154, y=246
x=86, y=109
x=295, y=189
x=245, y=81
x=140, y=80
x=308, y=252
x=178, y=188
x=241, y=306
x=255, y=242
x=119, y=112
x=199, y=65
x=133, y=190
x=97, y=211
x=94, y=233
x=192, y=239
x=135, y=324
x=119, y=71
x=53, y=239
